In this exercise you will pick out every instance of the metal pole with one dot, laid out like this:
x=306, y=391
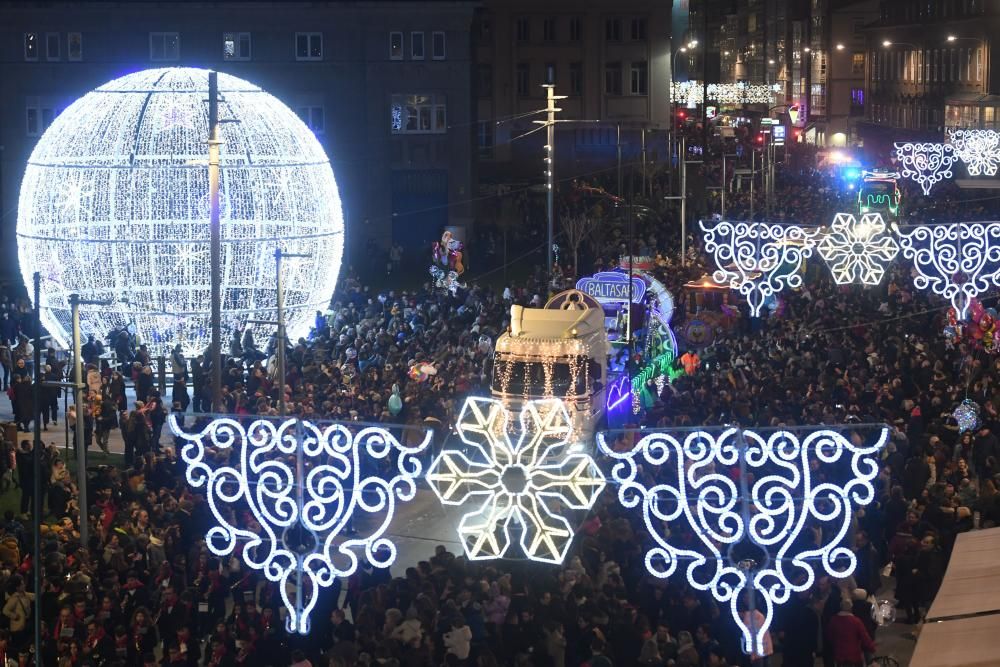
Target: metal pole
x=643, y=136
x=619, y=151
x=282, y=407
x=550, y=165
x=753, y=175
x=723, y=208
x=684, y=198
x=36, y=464
x=81, y=410
x=215, y=238
x=704, y=81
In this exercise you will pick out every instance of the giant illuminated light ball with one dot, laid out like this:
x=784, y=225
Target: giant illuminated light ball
x=114, y=206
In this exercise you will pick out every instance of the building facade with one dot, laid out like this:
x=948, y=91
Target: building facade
x=610, y=60
x=384, y=85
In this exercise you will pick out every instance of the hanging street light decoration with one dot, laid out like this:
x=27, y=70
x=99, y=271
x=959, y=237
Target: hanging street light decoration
x=857, y=252
x=758, y=259
x=691, y=93
x=303, y=485
x=526, y=485
x=958, y=261
x=747, y=496
x=978, y=149
x=926, y=163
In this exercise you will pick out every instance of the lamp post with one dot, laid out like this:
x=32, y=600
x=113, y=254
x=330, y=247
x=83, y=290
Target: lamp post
x=215, y=238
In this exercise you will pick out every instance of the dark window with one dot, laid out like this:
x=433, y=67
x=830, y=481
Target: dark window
x=437, y=45
x=485, y=140
x=613, y=79
x=638, y=29
x=31, y=46
x=574, y=29
x=523, y=79
x=549, y=29
x=484, y=84
x=613, y=30
x=576, y=78
x=396, y=46
x=639, y=79
x=523, y=29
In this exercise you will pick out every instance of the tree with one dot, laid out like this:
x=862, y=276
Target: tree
x=577, y=228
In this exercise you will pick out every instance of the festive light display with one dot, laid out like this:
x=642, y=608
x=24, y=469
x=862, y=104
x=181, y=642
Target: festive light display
x=967, y=416
x=758, y=259
x=691, y=93
x=958, y=261
x=926, y=163
x=612, y=287
x=299, y=509
x=447, y=263
x=857, y=252
x=978, y=149
x=761, y=511
x=529, y=484
x=114, y=206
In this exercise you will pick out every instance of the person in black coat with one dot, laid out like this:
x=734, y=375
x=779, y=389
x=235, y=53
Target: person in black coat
x=24, y=403
x=25, y=475
x=801, y=631
x=107, y=421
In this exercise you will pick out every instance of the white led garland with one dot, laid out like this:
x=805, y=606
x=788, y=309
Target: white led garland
x=691, y=93
x=768, y=506
x=320, y=493
x=529, y=483
x=857, y=252
x=978, y=149
x=925, y=163
x=114, y=206
x=758, y=259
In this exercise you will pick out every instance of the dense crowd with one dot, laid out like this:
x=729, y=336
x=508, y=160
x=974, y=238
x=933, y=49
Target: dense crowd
x=145, y=590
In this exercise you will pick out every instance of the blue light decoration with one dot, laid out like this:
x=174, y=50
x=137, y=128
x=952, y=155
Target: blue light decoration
x=612, y=287
x=925, y=163
x=114, y=202
x=763, y=510
x=529, y=484
x=619, y=395
x=967, y=416
x=857, y=252
x=320, y=493
x=957, y=261
x=758, y=259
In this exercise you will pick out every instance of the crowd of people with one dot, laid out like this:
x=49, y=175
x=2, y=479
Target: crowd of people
x=146, y=591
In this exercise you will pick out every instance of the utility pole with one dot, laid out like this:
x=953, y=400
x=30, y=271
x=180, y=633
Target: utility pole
x=684, y=199
x=36, y=464
x=550, y=166
x=215, y=238
x=753, y=176
x=704, y=80
x=643, y=154
x=619, y=151
x=282, y=336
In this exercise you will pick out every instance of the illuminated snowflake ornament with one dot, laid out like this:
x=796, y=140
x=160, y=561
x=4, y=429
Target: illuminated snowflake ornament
x=304, y=487
x=746, y=497
x=527, y=484
x=758, y=259
x=926, y=163
x=978, y=149
x=966, y=416
x=858, y=252
x=957, y=261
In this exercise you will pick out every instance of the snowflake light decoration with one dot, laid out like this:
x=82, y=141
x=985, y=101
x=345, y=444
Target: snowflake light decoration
x=957, y=261
x=117, y=187
x=978, y=149
x=926, y=163
x=966, y=416
x=857, y=252
x=758, y=259
x=529, y=484
x=762, y=510
x=300, y=509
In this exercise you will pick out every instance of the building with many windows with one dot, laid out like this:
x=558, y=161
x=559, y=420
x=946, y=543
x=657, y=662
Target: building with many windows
x=385, y=85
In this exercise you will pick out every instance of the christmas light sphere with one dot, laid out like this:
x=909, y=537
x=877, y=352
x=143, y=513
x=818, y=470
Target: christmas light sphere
x=114, y=206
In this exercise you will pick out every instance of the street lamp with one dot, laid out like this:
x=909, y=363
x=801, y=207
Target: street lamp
x=840, y=47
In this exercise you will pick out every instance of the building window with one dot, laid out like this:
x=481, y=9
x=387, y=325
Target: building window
x=37, y=117
x=638, y=29
x=575, y=29
x=484, y=83
x=418, y=114
x=858, y=63
x=416, y=46
x=523, y=79
x=953, y=57
x=164, y=46
x=52, y=46
x=485, y=140
x=485, y=30
x=236, y=46
x=74, y=46
x=395, y=46
x=437, y=45
x=549, y=29
x=523, y=29
x=31, y=46
x=550, y=73
x=639, y=79
x=979, y=64
x=576, y=78
x=857, y=101
x=309, y=46
x=313, y=117
x=613, y=30
x=613, y=79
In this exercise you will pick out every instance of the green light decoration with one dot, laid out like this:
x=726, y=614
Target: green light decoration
x=660, y=365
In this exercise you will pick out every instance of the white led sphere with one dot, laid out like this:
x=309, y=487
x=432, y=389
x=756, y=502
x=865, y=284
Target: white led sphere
x=114, y=206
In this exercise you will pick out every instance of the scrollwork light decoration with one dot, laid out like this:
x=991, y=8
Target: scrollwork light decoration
x=857, y=252
x=528, y=484
x=979, y=150
x=775, y=496
x=957, y=261
x=758, y=259
x=926, y=163
x=314, y=499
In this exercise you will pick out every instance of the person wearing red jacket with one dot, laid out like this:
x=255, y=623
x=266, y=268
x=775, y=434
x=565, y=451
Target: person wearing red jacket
x=847, y=635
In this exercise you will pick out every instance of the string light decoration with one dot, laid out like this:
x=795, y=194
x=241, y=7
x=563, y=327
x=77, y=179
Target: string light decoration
x=958, y=261
x=967, y=416
x=978, y=149
x=762, y=511
x=691, y=93
x=314, y=499
x=926, y=163
x=114, y=205
x=857, y=252
x=529, y=484
x=758, y=259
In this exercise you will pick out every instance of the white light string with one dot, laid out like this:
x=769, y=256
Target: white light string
x=857, y=252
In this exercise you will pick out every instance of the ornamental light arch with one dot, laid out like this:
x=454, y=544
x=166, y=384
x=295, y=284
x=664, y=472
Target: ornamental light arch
x=114, y=206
